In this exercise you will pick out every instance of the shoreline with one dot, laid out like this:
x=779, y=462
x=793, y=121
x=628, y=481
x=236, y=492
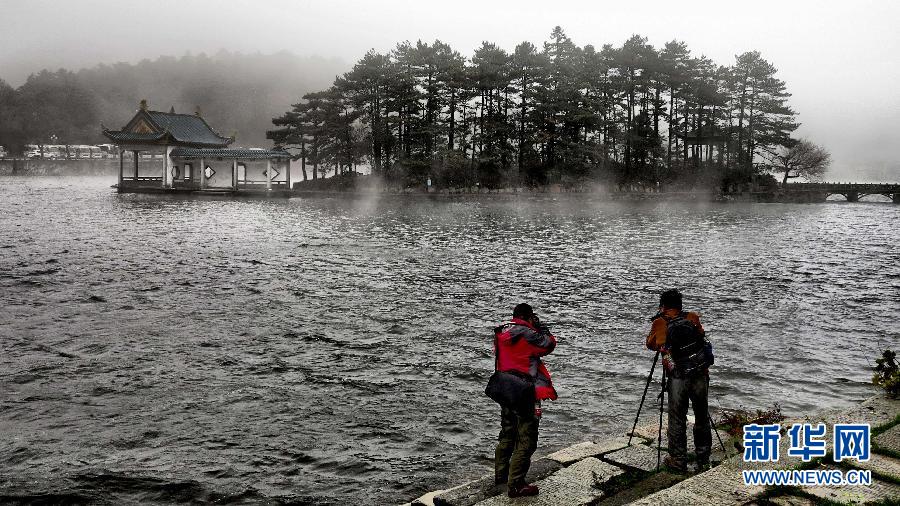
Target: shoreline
x=606, y=470
x=330, y=188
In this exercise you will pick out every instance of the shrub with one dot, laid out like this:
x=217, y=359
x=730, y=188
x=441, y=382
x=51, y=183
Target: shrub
x=733, y=420
x=887, y=374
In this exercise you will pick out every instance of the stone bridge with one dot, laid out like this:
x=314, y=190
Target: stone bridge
x=850, y=191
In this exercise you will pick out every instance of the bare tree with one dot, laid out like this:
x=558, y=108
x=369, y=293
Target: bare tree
x=802, y=159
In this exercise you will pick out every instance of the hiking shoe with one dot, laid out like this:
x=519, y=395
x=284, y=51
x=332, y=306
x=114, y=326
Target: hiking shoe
x=702, y=465
x=522, y=491
x=500, y=480
x=675, y=464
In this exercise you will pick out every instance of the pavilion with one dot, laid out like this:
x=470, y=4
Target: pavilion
x=180, y=152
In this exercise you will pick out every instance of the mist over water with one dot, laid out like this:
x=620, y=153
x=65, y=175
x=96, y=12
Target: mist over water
x=158, y=349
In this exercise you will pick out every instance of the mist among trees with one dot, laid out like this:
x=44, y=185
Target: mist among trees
x=631, y=115
x=237, y=94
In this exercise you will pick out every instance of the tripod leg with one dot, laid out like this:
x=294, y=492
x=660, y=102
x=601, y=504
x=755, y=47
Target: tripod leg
x=644, y=396
x=713, y=425
x=662, y=396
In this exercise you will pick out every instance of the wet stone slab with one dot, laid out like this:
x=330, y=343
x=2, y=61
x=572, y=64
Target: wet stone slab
x=469, y=493
x=483, y=488
x=579, y=451
x=889, y=439
x=887, y=466
x=651, y=433
x=579, y=484
x=639, y=457
x=719, y=486
x=878, y=410
x=876, y=492
x=427, y=499
x=791, y=500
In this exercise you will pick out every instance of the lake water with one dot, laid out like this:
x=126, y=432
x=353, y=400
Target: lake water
x=325, y=350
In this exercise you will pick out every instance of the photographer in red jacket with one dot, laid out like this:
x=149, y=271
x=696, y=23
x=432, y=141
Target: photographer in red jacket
x=520, y=344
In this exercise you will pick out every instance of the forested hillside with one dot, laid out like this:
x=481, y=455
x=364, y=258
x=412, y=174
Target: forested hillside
x=237, y=93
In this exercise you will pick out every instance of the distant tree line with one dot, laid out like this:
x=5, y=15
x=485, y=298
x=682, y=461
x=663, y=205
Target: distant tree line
x=237, y=93
x=633, y=116
x=49, y=106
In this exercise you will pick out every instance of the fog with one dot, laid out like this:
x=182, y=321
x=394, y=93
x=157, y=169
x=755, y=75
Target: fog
x=839, y=60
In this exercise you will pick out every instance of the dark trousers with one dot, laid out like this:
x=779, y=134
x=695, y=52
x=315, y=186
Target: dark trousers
x=696, y=389
x=517, y=442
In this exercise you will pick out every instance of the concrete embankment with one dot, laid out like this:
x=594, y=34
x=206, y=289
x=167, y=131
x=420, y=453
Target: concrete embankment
x=606, y=471
x=512, y=193
x=37, y=167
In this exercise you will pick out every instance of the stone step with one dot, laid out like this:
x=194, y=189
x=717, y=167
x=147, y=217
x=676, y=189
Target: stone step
x=635, y=457
x=476, y=491
x=579, y=451
x=583, y=473
x=882, y=464
x=889, y=439
x=722, y=485
x=878, y=491
x=790, y=500
x=576, y=485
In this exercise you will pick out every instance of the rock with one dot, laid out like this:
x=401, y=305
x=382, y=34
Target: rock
x=581, y=483
x=579, y=451
x=638, y=457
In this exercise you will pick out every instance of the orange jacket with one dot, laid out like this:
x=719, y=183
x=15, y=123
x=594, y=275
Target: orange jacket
x=657, y=337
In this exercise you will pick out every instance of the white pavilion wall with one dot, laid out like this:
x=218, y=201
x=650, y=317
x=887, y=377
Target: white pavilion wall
x=256, y=170
x=222, y=177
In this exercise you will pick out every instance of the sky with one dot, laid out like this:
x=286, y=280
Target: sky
x=840, y=60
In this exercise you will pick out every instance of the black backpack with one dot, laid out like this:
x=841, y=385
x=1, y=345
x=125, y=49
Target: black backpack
x=691, y=352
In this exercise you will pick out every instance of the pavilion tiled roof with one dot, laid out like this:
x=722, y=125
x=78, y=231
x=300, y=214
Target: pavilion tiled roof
x=173, y=128
x=188, y=128
x=119, y=136
x=230, y=153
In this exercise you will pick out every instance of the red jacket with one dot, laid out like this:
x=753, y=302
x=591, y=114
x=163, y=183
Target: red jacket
x=519, y=348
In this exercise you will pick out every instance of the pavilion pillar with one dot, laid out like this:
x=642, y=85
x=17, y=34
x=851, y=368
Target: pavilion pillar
x=234, y=178
x=202, y=174
x=136, y=158
x=165, y=169
x=121, y=169
x=269, y=174
x=896, y=198
x=287, y=174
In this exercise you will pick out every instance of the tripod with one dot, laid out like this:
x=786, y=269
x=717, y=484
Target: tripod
x=661, y=397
